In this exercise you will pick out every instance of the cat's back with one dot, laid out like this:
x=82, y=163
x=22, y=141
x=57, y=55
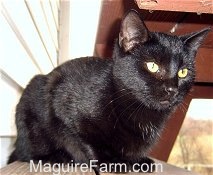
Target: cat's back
x=35, y=89
x=32, y=103
x=82, y=71
x=80, y=84
x=76, y=78
x=85, y=67
x=78, y=87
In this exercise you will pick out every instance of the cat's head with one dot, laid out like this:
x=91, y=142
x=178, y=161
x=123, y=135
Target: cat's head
x=157, y=68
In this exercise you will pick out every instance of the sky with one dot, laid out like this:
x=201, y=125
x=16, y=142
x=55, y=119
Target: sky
x=201, y=109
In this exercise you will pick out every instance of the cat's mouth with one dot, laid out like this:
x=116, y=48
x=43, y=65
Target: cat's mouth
x=164, y=102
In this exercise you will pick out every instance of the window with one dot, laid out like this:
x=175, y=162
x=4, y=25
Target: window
x=193, y=149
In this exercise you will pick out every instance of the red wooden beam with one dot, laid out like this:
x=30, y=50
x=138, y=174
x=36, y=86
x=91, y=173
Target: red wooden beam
x=198, y=6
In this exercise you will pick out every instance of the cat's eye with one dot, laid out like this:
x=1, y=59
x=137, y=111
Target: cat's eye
x=152, y=67
x=182, y=73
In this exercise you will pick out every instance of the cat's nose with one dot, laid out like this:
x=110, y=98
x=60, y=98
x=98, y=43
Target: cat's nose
x=171, y=90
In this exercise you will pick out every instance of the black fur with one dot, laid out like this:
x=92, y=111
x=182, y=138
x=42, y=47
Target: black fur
x=111, y=110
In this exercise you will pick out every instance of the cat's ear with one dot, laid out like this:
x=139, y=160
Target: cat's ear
x=194, y=40
x=132, y=32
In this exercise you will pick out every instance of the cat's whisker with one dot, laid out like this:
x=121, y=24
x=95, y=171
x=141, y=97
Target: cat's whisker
x=185, y=105
x=190, y=95
x=182, y=108
x=135, y=110
x=127, y=108
x=124, y=112
x=117, y=92
x=139, y=110
x=118, y=106
x=191, y=90
x=116, y=122
x=182, y=105
x=115, y=100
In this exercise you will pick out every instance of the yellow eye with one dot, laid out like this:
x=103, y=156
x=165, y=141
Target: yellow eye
x=152, y=67
x=182, y=73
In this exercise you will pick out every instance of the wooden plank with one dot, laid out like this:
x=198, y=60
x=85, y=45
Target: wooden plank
x=111, y=15
x=103, y=50
x=192, y=23
x=204, y=65
x=198, y=6
x=162, y=21
x=23, y=168
x=163, y=148
x=109, y=25
x=114, y=10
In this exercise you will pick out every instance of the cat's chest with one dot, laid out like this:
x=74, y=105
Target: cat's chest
x=141, y=132
x=136, y=142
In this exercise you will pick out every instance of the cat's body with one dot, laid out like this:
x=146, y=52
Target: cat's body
x=110, y=110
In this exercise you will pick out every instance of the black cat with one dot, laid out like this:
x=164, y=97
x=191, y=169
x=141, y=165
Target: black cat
x=110, y=110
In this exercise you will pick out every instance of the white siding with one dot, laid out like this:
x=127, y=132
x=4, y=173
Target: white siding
x=28, y=46
x=30, y=43
x=78, y=25
x=83, y=27
x=43, y=29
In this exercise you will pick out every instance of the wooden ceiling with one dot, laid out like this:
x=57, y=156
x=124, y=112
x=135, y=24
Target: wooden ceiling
x=172, y=21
